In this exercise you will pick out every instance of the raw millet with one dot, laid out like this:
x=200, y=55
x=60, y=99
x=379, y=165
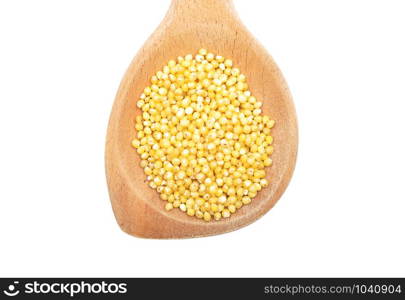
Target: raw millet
x=201, y=136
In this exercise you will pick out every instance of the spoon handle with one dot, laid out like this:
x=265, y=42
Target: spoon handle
x=202, y=10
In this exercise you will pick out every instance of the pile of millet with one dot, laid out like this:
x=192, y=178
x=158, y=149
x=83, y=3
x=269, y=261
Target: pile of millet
x=202, y=138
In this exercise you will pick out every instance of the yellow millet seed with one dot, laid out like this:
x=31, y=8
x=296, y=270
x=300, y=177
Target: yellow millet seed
x=203, y=140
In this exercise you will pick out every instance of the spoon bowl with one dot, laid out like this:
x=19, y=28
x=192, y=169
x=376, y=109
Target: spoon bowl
x=188, y=26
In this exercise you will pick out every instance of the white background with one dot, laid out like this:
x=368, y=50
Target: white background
x=343, y=213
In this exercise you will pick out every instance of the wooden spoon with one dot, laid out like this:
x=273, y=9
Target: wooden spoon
x=188, y=26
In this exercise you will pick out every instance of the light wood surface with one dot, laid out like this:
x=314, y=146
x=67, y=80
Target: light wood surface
x=188, y=26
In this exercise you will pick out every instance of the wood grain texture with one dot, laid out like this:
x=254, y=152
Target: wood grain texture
x=188, y=26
